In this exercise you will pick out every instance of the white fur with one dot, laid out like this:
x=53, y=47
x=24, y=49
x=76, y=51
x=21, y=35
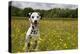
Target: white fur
x=32, y=20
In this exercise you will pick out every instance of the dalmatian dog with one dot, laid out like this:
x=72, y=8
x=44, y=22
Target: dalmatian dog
x=33, y=31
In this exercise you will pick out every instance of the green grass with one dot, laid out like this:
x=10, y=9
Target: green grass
x=55, y=34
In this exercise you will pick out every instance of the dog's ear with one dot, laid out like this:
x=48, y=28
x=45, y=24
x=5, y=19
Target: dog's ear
x=40, y=15
x=29, y=14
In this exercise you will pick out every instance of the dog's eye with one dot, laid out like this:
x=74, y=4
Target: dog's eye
x=37, y=16
x=32, y=16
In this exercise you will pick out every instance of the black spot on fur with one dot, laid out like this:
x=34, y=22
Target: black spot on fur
x=32, y=27
x=35, y=32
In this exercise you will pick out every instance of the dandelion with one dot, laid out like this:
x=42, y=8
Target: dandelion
x=65, y=45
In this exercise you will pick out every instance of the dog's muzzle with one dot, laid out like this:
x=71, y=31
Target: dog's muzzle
x=35, y=22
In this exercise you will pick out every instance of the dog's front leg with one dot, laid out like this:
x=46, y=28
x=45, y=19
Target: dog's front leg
x=28, y=37
x=35, y=44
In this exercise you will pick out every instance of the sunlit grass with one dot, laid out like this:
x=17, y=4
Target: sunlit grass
x=54, y=34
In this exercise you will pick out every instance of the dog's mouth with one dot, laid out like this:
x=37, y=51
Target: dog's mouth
x=35, y=23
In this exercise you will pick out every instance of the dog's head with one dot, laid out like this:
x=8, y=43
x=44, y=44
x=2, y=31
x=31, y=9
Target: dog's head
x=34, y=17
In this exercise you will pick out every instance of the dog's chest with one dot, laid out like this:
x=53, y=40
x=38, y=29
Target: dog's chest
x=34, y=31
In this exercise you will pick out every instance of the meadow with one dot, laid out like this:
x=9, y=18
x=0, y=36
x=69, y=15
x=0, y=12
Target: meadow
x=55, y=34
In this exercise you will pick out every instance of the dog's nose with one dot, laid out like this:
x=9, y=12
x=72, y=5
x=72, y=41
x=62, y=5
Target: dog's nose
x=35, y=21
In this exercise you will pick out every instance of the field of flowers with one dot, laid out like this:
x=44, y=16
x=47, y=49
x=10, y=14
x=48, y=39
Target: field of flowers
x=55, y=34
